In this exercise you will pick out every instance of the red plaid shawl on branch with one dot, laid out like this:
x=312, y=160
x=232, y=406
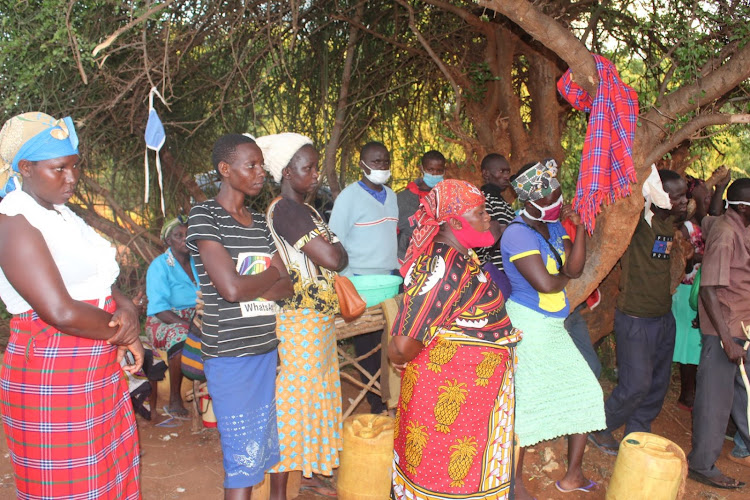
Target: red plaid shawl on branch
x=607, y=169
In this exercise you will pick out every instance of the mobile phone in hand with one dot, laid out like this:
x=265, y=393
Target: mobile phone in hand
x=129, y=358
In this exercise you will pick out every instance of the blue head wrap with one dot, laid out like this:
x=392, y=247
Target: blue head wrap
x=33, y=137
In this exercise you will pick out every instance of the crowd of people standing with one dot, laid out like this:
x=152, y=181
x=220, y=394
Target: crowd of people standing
x=487, y=358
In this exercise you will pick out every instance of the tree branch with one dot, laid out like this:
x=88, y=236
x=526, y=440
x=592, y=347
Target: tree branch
x=710, y=87
x=329, y=165
x=117, y=208
x=691, y=128
x=552, y=35
x=435, y=58
x=111, y=38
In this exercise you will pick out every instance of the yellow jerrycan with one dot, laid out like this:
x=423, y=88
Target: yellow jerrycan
x=365, y=469
x=648, y=467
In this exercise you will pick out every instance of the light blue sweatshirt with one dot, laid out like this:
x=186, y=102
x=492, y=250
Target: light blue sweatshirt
x=367, y=229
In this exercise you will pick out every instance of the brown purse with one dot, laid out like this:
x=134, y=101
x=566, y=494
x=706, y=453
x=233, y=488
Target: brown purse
x=351, y=304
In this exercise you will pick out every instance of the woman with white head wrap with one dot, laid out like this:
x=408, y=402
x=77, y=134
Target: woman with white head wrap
x=307, y=386
x=66, y=410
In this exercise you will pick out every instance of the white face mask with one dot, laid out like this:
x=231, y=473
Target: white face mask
x=549, y=213
x=376, y=176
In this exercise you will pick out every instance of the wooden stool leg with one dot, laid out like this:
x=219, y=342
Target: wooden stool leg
x=196, y=420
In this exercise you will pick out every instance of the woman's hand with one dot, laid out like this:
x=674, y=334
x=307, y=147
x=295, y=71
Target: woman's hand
x=399, y=367
x=568, y=213
x=138, y=352
x=125, y=320
x=140, y=301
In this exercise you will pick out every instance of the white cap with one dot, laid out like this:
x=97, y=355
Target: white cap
x=278, y=150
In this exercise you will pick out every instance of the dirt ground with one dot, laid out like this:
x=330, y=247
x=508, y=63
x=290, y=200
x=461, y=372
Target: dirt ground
x=179, y=464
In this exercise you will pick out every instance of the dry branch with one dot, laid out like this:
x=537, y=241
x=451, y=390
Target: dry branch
x=688, y=131
x=111, y=38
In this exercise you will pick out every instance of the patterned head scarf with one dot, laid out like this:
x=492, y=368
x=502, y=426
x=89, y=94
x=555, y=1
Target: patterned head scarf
x=169, y=226
x=537, y=182
x=34, y=137
x=447, y=200
x=278, y=150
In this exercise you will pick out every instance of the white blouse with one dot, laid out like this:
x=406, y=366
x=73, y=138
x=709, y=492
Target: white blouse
x=85, y=260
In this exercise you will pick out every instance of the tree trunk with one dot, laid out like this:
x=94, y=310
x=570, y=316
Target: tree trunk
x=329, y=165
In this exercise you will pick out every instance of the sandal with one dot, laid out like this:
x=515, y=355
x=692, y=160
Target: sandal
x=744, y=461
x=718, y=481
x=320, y=489
x=592, y=486
x=176, y=412
x=608, y=448
x=319, y=486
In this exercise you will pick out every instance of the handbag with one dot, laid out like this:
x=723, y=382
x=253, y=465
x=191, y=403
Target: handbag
x=192, y=360
x=351, y=304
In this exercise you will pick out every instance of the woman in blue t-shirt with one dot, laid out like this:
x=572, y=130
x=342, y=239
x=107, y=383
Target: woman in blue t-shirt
x=556, y=392
x=171, y=287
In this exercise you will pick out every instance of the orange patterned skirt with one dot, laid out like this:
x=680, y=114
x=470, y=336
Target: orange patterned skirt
x=454, y=422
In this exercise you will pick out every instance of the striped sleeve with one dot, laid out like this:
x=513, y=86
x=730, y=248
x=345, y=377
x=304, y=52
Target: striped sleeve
x=202, y=225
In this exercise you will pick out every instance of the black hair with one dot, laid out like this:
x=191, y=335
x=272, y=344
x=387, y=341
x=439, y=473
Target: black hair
x=487, y=160
x=371, y=145
x=225, y=147
x=668, y=175
x=739, y=190
x=432, y=155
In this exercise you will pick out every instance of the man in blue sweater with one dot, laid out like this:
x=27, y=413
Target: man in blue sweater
x=364, y=217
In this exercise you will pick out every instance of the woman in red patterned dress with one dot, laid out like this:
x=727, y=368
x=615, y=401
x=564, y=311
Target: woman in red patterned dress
x=455, y=344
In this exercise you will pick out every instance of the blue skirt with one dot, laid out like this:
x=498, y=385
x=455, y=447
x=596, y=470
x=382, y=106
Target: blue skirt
x=243, y=393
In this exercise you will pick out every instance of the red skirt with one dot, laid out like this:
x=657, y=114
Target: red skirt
x=454, y=422
x=67, y=415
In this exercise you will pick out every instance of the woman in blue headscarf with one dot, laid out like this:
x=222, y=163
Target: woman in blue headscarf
x=66, y=411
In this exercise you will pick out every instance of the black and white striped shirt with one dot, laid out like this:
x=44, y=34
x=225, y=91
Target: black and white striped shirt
x=498, y=209
x=233, y=329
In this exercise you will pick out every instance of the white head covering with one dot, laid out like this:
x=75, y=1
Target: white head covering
x=278, y=150
x=653, y=192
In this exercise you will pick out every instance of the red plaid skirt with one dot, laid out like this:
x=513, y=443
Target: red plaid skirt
x=67, y=415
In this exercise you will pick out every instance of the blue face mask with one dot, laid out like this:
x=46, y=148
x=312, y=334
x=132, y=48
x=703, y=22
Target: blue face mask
x=431, y=179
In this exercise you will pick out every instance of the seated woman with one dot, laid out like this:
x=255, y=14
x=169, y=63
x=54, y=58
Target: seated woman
x=557, y=394
x=308, y=387
x=171, y=287
x=66, y=412
x=455, y=344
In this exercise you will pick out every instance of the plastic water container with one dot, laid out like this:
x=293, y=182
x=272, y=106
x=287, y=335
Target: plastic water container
x=648, y=467
x=375, y=288
x=207, y=411
x=366, y=459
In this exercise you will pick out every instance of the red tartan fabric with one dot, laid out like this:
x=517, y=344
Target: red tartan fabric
x=606, y=170
x=67, y=415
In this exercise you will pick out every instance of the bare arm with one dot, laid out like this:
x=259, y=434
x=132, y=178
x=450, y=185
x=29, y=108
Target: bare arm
x=533, y=270
x=720, y=177
x=403, y=349
x=575, y=253
x=170, y=318
x=236, y=288
x=324, y=254
x=41, y=285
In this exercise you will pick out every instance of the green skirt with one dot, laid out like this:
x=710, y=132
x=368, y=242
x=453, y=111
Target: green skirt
x=556, y=392
x=687, y=342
